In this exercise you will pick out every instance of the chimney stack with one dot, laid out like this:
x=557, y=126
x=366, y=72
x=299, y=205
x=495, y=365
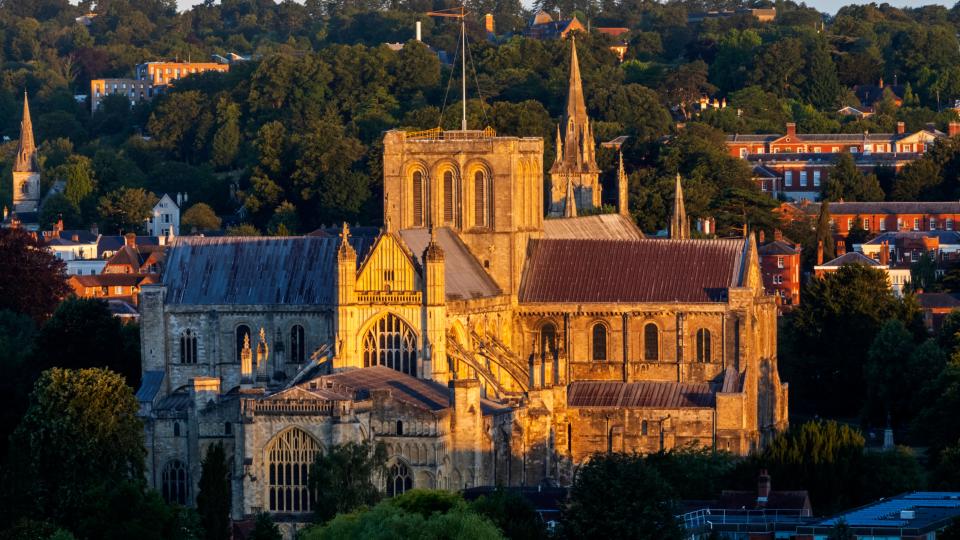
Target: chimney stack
x=885, y=253
x=418, y=31
x=819, y=252
x=763, y=488
x=841, y=248
x=488, y=23
x=778, y=235
x=791, y=129
x=762, y=236
x=953, y=129
x=130, y=239
x=58, y=226
x=75, y=237
x=901, y=128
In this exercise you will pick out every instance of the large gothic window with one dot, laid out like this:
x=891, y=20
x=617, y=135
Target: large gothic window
x=599, y=342
x=188, y=347
x=651, y=342
x=399, y=480
x=703, y=345
x=480, y=203
x=174, y=482
x=243, y=338
x=297, y=348
x=418, y=220
x=288, y=461
x=391, y=342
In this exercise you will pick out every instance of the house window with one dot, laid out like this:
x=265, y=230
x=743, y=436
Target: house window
x=703, y=345
x=599, y=342
x=297, y=348
x=816, y=178
x=399, y=427
x=916, y=224
x=779, y=262
x=176, y=429
x=777, y=279
x=391, y=342
x=548, y=339
x=188, y=347
x=882, y=224
x=227, y=428
x=899, y=224
x=835, y=149
x=418, y=199
x=174, y=484
x=788, y=178
x=803, y=178
x=651, y=342
x=288, y=461
x=743, y=153
x=933, y=224
x=849, y=224
x=243, y=340
x=866, y=224
x=949, y=225
x=400, y=480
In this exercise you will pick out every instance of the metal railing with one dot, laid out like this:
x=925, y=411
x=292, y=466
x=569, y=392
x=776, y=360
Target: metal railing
x=707, y=517
x=438, y=134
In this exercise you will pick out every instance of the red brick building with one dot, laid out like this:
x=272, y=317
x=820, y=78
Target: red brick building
x=881, y=217
x=780, y=268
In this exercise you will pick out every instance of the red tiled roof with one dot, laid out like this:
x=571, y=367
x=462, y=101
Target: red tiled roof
x=114, y=280
x=639, y=395
x=631, y=271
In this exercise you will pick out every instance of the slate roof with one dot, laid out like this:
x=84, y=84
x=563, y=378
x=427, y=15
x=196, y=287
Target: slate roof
x=464, y=276
x=292, y=270
x=420, y=392
x=777, y=247
x=852, y=257
x=149, y=385
x=938, y=300
x=601, y=226
x=631, y=271
x=944, y=237
x=641, y=395
x=777, y=500
x=886, y=207
x=113, y=243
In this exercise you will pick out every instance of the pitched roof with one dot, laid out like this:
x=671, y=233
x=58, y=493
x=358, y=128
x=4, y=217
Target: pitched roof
x=126, y=256
x=149, y=385
x=776, y=500
x=777, y=247
x=113, y=243
x=596, y=227
x=641, y=394
x=631, y=271
x=113, y=280
x=938, y=300
x=292, y=270
x=887, y=207
x=464, y=277
x=944, y=237
x=852, y=257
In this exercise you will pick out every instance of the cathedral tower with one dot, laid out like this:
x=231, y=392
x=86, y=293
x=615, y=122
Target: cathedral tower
x=575, y=168
x=26, y=169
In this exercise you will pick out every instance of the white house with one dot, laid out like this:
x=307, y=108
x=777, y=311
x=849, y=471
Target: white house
x=166, y=216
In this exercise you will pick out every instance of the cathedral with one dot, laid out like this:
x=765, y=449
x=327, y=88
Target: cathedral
x=486, y=334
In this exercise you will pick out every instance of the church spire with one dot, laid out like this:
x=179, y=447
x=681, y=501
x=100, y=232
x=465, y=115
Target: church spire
x=679, y=226
x=570, y=210
x=559, y=158
x=26, y=160
x=576, y=108
x=622, y=197
x=578, y=145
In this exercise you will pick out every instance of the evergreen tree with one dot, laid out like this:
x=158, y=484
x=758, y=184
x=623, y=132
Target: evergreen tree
x=226, y=140
x=825, y=232
x=265, y=529
x=823, y=86
x=847, y=183
x=342, y=478
x=213, y=498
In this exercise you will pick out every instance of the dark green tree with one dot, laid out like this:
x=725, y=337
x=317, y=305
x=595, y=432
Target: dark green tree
x=213, y=496
x=265, y=529
x=126, y=209
x=226, y=140
x=512, y=514
x=32, y=279
x=845, y=182
x=343, y=478
x=200, y=218
x=824, y=236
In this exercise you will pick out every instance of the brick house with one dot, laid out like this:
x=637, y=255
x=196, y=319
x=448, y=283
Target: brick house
x=884, y=216
x=780, y=268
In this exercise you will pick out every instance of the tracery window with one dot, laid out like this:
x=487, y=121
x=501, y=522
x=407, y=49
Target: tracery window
x=599, y=342
x=703, y=345
x=243, y=337
x=188, y=347
x=480, y=199
x=288, y=461
x=174, y=482
x=651, y=342
x=418, y=199
x=391, y=342
x=297, y=348
x=399, y=480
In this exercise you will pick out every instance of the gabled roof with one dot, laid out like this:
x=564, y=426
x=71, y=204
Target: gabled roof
x=944, y=237
x=939, y=300
x=126, y=256
x=852, y=257
x=113, y=280
x=113, y=243
x=292, y=270
x=631, y=271
x=777, y=247
x=597, y=227
x=464, y=277
x=641, y=394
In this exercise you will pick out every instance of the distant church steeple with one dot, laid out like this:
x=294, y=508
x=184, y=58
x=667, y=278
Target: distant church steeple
x=679, y=225
x=26, y=160
x=623, y=202
x=26, y=169
x=576, y=150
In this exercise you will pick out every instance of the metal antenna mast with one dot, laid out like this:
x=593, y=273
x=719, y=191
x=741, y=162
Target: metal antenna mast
x=459, y=13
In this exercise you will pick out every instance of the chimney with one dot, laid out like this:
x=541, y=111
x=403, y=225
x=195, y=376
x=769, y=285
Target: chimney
x=778, y=235
x=488, y=23
x=819, y=252
x=881, y=82
x=58, y=226
x=762, y=237
x=763, y=488
x=841, y=248
x=791, y=129
x=884, y=253
x=901, y=128
x=130, y=239
x=953, y=129
x=75, y=237
x=418, y=31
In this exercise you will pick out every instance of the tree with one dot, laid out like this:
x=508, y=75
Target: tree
x=243, y=229
x=643, y=507
x=56, y=207
x=512, y=513
x=694, y=472
x=226, y=141
x=213, y=497
x=343, y=478
x=284, y=221
x=884, y=372
x=822, y=87
x=77, y=173
x=17, y=334
x=264, y=528
x=32, y=279
x=127, y=209
x=199, y=218
x=79, y=435
x=846, y=182
x=918, y=180
x=824, y=236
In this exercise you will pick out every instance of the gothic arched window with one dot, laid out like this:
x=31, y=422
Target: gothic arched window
x=703, y=345
x=391, y=342
x=174, y=482
x=297, y=348
x=644, y=427
x=418, y=220
x=399, y=427
x=399, y=480
x=651, y=342
x=243, y=339
x=480, y=199
x=599, y=342
x=288, y=460
x=188, y=347
x=25, y=188
x=449, y=199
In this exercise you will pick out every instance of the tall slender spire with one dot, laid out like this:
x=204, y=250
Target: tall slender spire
x=559, y=158
x=576, y=108
x=578, y=144
x=26, y=160
x=679, y=226
x=622, y=197
x=570, y=208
